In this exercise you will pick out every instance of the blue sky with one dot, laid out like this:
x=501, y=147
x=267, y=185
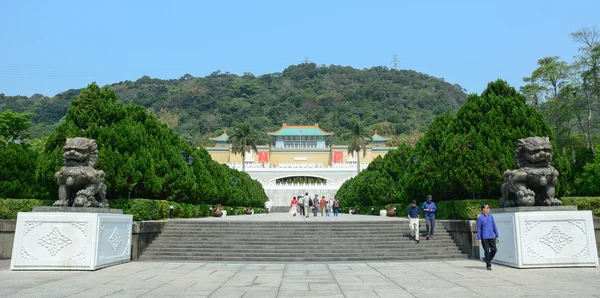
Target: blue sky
x=51, y=46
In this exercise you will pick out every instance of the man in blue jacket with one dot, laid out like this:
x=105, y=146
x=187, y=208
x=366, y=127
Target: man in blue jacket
x=487, y=234
x=429, y=209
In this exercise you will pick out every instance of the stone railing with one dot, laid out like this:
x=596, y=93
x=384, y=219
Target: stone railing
x=301, y=184
x=238, y=166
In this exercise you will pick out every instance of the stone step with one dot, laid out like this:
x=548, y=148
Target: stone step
x=275, y=241
x=299, y=235
x=296, y=234
x=334, y=246
x=290, y=245
x=289, y=254
x=285, y=245
x=288, y=258
x=254, y=239
x=387, y=251
x=279, y=230
x=217, y=222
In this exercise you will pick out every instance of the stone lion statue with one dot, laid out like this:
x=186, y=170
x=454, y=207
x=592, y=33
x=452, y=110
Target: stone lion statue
x=534, y=182
x=80, y=185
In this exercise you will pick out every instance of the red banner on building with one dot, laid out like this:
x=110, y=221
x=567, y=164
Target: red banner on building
x=263, y=157
x=338, y=157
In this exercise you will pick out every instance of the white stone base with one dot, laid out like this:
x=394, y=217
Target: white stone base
x=545, y=239
x=71, y=241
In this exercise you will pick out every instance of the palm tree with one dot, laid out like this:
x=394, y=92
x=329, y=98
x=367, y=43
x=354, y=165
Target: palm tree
x=358, y=141
x=243, y=139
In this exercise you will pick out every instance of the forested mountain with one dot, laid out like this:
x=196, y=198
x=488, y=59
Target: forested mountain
x=393, y=102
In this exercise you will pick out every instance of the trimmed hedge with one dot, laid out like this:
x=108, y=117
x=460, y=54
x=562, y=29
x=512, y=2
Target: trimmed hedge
x=465, y=209
x=141, y=209
x=9, y=208
x=583, y=203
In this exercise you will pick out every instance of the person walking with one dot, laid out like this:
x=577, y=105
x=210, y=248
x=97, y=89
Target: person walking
x=413, y=219
x=429, y=208
x=315, y=205
x=267, y=206
x=336, y=206
x=301, y=205
x=322, y=206
x=307, y=204
x=328, y=208
x=487, y=234
x=294, y=206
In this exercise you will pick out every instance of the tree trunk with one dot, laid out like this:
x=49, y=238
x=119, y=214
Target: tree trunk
x=584, y=131
x=590, y=133
x=357, y=162
x=243, y=161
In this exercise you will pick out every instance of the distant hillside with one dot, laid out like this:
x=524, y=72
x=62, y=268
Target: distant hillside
x=393, y=102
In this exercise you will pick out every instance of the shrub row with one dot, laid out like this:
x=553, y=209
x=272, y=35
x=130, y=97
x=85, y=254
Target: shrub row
x=470, y=209
x=583, y=203
x=9, y=208
x=141, y=209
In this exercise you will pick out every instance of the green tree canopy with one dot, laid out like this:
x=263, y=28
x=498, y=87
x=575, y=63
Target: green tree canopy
x=458, y=157
x=142, y=157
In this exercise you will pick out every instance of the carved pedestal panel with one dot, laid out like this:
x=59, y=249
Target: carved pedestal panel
x=546, y=239
x=71, y=241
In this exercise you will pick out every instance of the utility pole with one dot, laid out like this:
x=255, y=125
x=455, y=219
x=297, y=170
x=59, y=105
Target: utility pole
x=306, y=60
x=395, y=62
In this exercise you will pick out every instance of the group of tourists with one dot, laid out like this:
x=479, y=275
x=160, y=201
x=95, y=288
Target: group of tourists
x=487, y=232
x=305, y=204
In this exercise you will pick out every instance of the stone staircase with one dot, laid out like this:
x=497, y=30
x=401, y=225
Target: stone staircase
x=296, y=241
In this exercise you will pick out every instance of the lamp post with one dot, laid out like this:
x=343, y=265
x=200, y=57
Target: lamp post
x=171, y=211
x=210, y=214
x=187, y=158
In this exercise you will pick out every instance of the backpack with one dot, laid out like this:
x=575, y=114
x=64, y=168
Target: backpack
x=310, y=202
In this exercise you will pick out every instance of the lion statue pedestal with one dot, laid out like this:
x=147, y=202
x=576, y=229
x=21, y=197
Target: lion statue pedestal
x=80, y=232
x=535, y=230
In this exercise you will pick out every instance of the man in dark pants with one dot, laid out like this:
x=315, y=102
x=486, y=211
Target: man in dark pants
x=429, y=209
x=487, y=234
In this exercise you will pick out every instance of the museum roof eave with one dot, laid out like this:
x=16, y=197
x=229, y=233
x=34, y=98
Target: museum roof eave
x=384, y=148
x=222, y=138
x=300, y=130
x=378, y=138
x=216, y=149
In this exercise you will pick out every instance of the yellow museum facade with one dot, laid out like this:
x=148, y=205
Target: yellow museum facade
x=297, y=146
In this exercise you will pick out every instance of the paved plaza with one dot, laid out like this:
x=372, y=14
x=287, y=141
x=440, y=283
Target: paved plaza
x=450, y=278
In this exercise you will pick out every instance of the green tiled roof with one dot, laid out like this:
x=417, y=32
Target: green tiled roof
x=216, y=148
x=222, y=138
x=378, y=138
x=384, y=148
x=286, y=130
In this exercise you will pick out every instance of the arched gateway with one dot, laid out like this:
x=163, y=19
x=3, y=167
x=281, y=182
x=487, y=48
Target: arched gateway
x=300, y=159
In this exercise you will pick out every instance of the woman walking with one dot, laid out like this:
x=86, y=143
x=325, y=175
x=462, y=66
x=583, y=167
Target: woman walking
x=294, y=206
